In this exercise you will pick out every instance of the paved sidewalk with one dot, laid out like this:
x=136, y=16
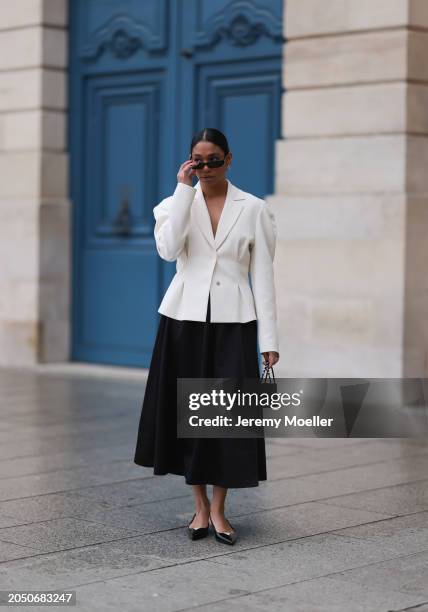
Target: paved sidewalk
x=341, y=525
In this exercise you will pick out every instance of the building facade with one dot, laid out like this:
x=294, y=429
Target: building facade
x=333, y=93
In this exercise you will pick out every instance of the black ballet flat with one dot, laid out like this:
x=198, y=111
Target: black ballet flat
x=226, y=537
x=197, y=533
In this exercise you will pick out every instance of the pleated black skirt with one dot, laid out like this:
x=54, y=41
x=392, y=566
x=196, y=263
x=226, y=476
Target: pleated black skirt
x=196, y=349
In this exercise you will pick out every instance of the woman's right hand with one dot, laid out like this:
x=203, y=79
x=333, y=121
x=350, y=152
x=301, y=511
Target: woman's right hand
x=186, y=172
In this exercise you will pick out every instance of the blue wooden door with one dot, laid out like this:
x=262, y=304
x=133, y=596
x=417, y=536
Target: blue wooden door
x=144, y=76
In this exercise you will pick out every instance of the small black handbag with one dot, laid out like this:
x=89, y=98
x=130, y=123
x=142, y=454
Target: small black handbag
x=267, y=387
x=268, y=375
x=268, y=380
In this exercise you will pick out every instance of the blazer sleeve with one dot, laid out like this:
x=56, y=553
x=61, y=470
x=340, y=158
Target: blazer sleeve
x=262, y=278
x=172, y=217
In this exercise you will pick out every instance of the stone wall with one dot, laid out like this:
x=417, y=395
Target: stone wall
x=351, y=183
x=34, y=228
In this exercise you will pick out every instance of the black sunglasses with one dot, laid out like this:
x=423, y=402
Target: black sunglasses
x=214, y=163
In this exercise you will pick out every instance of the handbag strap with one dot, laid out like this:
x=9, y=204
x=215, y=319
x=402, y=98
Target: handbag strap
x=268, y=374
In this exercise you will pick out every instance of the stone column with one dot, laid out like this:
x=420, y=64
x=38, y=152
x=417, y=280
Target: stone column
x=35, y=226
x=351, y=189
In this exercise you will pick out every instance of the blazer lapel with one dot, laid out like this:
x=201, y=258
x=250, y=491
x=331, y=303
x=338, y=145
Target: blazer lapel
x=231, y=210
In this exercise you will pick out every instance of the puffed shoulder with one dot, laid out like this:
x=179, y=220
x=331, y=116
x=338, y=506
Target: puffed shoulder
x=260, y=204
x=182, y=187
x=266, y=215
x=182, y=193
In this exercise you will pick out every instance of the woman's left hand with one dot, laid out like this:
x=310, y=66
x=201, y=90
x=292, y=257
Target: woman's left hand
x=271, y=356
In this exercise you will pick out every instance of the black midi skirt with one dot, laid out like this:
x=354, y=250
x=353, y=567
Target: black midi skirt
x=196, y=349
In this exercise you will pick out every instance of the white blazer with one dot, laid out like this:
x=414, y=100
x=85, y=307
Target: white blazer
x=244, y=244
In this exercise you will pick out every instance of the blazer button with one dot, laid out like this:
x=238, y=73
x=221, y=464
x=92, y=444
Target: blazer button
x=218, y=282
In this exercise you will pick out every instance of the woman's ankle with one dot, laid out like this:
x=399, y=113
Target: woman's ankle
x=203, y=507
x=217, y=510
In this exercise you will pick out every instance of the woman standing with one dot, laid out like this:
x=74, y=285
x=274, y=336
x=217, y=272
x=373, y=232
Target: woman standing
x=210, y=321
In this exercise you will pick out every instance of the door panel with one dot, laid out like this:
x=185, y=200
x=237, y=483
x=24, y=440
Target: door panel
x=231, y=65
x=244, y=102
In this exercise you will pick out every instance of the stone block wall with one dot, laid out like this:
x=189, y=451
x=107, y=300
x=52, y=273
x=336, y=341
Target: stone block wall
x=35, y=228
x=351, y=189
